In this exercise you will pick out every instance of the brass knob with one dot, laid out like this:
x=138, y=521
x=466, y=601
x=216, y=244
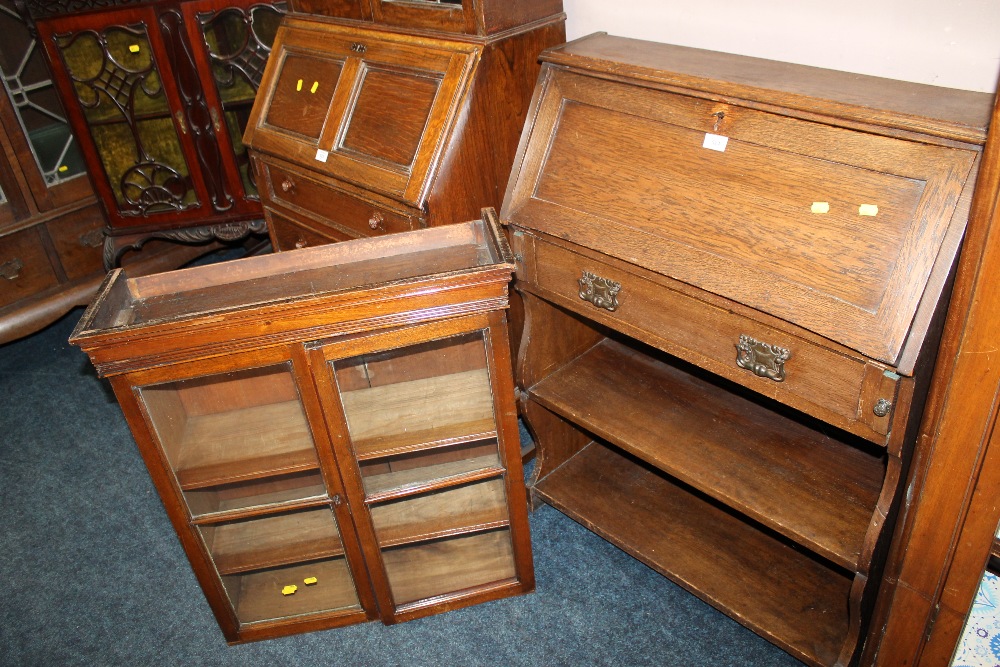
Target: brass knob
x=301, y=243
x=881, y=407
x=376, y=220
x=11, y=269
x=287, y=185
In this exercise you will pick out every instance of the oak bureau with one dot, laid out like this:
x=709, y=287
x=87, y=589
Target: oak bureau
x=733, y=272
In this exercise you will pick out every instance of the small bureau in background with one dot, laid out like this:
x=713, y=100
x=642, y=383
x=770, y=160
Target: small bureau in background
x=734, y=272
x=386, y=116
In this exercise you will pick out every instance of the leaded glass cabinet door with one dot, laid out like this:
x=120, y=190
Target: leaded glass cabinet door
x=232, y=41
x=126, y=110
x=434, y=472
x=265, y=515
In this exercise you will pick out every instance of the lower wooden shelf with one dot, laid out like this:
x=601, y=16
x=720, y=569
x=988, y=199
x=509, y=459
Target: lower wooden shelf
x=782, y=594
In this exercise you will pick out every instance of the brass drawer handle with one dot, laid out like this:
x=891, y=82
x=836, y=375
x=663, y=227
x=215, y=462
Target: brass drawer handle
x=376, y=220
x=601, y=292
x=762, y=359
x=11, y=269
x=882, y=407
x=287, y=185
x=93, y=238
x=301, y=243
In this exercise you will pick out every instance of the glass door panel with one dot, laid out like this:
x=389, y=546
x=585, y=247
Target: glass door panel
x=121, y=95
x=236, y=440
x=238, y=42
x=282, y=565
x=422, y=427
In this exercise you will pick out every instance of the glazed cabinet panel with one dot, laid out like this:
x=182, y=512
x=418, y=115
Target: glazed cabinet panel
x=734, y=273
x=158, y=96
x=332, y=430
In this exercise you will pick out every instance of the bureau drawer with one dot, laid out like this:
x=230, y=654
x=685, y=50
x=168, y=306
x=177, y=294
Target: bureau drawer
x=818, y=380
x=79, y=238
x=290, y=189
x=24, y=266
x=288, y=235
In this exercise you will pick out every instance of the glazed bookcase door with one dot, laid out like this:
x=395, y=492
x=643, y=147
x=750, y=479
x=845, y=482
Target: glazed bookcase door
x=232, y=41
x=127, y=116
x=265, y=514
x=430, y=470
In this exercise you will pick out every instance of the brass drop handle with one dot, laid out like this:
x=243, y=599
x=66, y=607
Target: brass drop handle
x=287, y=185
x=376, y=220
x=882, y=407
x=11, y=269
x=600, y=292
x=762, y=359
x=301, y=243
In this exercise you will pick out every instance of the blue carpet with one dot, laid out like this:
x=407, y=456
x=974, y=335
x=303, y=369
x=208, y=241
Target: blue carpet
x=92, y=573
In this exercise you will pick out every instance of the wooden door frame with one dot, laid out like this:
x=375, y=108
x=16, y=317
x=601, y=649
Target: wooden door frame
x=943, y=541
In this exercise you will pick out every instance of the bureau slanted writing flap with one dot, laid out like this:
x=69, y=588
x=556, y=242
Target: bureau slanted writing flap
x=833, y=229
x=367, y=107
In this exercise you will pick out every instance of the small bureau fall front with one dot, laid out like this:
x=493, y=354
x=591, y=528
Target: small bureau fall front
x=734, y=272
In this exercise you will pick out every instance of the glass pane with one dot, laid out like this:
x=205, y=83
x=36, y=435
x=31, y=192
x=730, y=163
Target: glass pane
x=283, y=565
x=448, y=565
x=30, y=88
x=118, y=87
x=235, y=440
x=420, y=413
x=239, y=43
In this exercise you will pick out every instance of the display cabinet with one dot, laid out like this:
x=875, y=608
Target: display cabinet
x=393, y=116
x=158, y=95
x=734, y=272
x=332, y=431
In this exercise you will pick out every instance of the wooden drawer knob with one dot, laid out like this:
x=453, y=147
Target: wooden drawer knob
x=11, y=269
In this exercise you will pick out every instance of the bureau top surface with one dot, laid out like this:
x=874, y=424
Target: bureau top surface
x=295, y=278
x=833, y=201
x=959, y=114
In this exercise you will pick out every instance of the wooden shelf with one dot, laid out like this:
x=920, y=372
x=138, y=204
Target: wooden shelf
x=258, y=597
x=245, y=444
x=778, y=592
x=271, y=541
x=420, y=414
x=811, y=488
x=447, y=566
x=220, y=503
x=386, y=486
x=470, y=508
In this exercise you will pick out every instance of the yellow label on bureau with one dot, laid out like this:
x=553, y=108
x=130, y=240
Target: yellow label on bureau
x=309, y=581
x=289, y=590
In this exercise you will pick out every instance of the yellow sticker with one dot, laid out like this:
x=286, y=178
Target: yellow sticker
x=868, y=209
x=289, y=590
x=63, y=168
x=820, y=207
x=309, y=581
x=314, y=87
x=298, y=86
x=133, y=48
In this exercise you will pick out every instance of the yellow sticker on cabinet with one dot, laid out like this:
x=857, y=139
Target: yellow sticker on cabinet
x=868, y=209
x=314, y=87
x=133, y=48
x=309, y=581
x=820, y=207
x=289, y=590
x=298, y=86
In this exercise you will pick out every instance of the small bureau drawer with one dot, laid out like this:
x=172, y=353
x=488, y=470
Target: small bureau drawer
x=829, y=384
x=79, y=239
x=289, y=235
x=24, y=266
x=295, y=191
